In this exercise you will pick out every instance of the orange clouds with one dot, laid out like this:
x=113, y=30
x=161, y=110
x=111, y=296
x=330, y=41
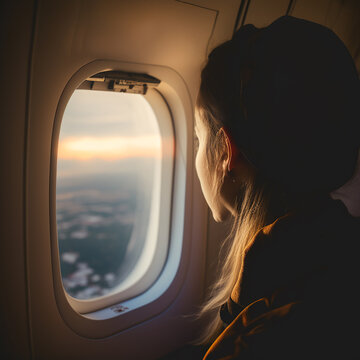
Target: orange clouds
x=109, y=148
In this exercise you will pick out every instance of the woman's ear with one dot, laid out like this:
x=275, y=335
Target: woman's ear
x=231, y=151
x=234, y=165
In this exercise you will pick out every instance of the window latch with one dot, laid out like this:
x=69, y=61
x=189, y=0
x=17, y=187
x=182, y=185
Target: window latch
x=120, y=81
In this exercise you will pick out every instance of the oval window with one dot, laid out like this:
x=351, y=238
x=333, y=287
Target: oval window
x=114, y=160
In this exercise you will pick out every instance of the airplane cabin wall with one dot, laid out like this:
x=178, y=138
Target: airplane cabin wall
x=169, y=37
x=16, y=25
x=171, y=34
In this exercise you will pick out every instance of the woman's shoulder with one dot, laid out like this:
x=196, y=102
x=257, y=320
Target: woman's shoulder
x=295, y=247
x=295, y=293
x=327, y=222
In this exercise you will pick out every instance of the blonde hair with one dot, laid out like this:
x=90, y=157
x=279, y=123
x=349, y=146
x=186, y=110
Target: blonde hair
x=253, y=213
x=260, y=201
x=250, y=219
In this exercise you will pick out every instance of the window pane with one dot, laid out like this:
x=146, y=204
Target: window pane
x=109, y=151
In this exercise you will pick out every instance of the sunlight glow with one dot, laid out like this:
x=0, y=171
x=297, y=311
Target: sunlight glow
x=109, y=148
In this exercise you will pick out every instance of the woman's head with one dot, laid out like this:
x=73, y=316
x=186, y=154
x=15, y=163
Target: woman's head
x=278, y=122
x=222, y=171
x=287, y=97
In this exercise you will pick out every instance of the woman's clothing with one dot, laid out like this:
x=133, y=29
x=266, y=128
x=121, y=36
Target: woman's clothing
x=297, y=294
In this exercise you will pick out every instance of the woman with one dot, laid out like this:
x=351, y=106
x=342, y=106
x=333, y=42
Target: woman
x=277, y=122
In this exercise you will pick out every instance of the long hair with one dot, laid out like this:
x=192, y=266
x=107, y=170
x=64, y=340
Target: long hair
x=259, y=203
x=249, y=219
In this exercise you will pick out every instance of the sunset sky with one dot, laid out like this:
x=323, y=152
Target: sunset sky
x=108, y=147
x=108, y=126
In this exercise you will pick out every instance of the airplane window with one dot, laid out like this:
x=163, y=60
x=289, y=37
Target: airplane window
x=109, y=162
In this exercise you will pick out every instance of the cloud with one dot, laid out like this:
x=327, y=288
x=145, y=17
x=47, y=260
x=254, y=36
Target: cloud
x=109, y=148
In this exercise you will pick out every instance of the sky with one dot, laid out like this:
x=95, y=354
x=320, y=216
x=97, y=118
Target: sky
x=106, y=127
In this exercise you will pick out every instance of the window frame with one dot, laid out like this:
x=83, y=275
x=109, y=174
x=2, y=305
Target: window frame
x=157, y=238
x=169, y=281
